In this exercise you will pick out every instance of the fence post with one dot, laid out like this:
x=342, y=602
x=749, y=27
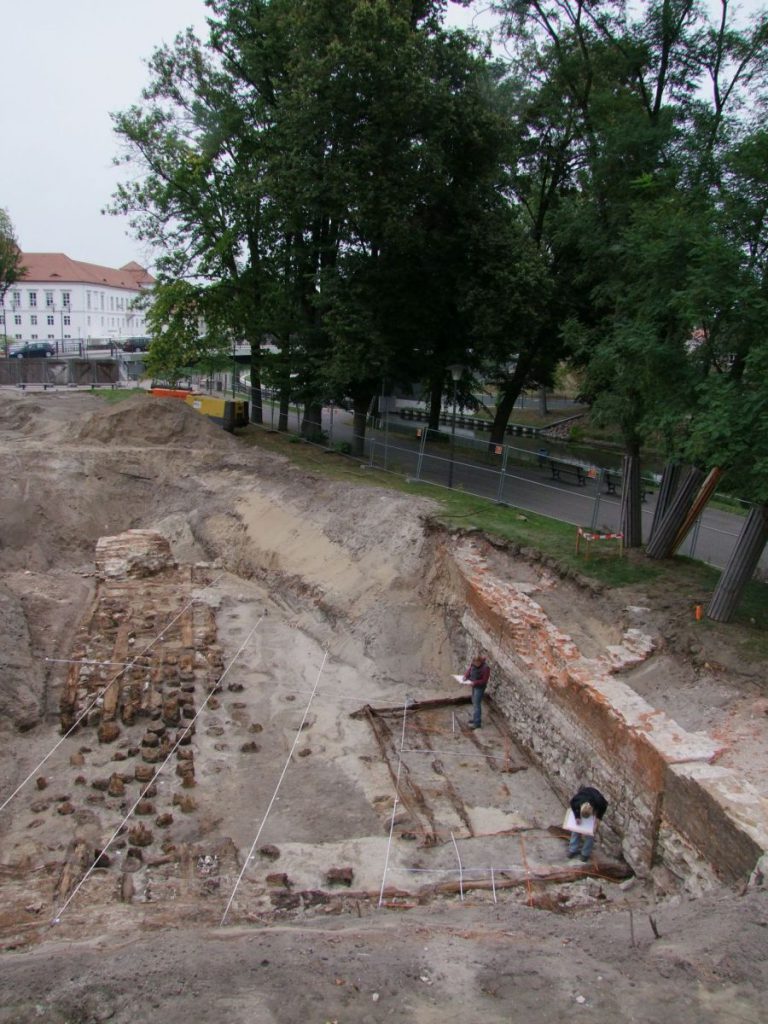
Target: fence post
x=500, y=492
x=422, y=446
x=596, y=505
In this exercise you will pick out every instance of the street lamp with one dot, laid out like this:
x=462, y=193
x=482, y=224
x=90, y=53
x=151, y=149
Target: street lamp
x=456, y=370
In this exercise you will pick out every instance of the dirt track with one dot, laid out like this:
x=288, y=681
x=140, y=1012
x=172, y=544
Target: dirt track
x=343, y=575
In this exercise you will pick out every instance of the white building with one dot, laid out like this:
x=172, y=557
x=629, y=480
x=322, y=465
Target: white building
x=73, y=304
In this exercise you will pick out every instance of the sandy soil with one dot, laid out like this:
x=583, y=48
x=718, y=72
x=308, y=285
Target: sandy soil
x=320, y=596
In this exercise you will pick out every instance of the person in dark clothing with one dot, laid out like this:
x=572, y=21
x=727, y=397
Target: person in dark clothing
x=584, y=804
x=478, y=674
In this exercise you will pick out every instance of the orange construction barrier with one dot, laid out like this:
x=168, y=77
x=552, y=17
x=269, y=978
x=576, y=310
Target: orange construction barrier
x=170, y=393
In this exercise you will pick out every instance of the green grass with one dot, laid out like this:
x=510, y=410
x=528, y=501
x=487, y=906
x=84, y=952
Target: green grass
x=117, y=394
x=686, y=581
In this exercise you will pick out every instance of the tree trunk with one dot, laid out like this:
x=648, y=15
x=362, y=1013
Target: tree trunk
x=663, y=541
x=359, y=421
x=741, y=565
x=543, y=410
x=285, y=404
x=312, y=420
x=669, y=484
x=362, y=401
x=256, y=407
x=631, y=512
x=503, y=412
x=435, y=402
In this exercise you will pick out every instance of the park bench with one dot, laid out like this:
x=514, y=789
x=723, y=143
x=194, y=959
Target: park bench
x=557, y=470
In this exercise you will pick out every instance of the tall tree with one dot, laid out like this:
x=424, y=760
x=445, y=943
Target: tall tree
x=11, y=268
x=649, y=152
x=200, y=198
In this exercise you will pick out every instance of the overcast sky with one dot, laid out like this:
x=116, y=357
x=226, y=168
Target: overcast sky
x=64, y=66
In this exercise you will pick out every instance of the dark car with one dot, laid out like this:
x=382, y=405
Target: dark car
x=33, y=350
x=136, y=345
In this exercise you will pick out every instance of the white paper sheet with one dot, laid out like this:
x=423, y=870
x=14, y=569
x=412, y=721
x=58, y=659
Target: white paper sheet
x=586, y=826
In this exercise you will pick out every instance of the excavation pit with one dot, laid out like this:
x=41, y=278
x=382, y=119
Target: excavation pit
x=301, y=602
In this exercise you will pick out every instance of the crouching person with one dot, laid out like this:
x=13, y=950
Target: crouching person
x=588, y=803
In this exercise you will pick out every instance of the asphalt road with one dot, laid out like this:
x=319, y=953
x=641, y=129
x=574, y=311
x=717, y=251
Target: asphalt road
x=529, y=487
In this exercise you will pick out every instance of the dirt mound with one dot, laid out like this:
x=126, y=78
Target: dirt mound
x=147, y=420
x=21, y=417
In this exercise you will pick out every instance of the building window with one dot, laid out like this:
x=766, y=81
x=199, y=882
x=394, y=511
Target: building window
x=32, y=299
x=33, y=337
x=50, y=320
x=17, y=337
x=88, y=321
x=2, y=319
x=49, y=300
x=65, y=300
x=67, y=336
x=67, y=320
x=50, y=337
x=87, y=300
x=33, y=320
x=15, y=299
x=17, y=320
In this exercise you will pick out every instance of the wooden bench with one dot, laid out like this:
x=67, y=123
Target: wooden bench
x=569, y=468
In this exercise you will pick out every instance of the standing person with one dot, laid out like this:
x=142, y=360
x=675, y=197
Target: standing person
x=584, y=804
x=478, y=674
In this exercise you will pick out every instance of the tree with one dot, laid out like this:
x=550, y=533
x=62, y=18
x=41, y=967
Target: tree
x=294, y=161
x=11, y=269
x=647, y=152
x=199, y=202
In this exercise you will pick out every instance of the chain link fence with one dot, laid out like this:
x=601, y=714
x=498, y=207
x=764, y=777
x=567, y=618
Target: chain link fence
x=534, y=474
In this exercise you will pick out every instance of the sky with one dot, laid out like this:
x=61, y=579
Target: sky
x=64, y=67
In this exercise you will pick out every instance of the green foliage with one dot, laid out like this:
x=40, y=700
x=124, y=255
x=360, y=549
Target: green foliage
x=115, y=395
x=660, y=194
x=11, y=268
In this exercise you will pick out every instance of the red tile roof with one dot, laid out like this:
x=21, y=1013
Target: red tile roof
x=57, y=268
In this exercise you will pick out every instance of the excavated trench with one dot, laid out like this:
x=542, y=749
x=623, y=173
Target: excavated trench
x=260, y=719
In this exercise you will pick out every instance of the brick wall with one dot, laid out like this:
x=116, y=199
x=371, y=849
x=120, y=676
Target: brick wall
x=583, y=725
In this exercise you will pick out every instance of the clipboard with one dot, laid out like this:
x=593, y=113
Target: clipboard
x=463, y=681
x=585, y=826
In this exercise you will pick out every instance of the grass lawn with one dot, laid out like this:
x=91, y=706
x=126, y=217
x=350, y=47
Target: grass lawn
x=117, y=394
x=692, y=581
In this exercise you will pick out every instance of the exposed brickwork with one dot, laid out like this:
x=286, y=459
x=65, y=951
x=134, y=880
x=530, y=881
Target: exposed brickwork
x=582, y=724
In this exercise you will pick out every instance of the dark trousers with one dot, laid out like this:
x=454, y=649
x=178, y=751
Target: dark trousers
x=477, y=700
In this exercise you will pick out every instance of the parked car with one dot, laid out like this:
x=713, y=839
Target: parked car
x=136, y=345
x=33, y=350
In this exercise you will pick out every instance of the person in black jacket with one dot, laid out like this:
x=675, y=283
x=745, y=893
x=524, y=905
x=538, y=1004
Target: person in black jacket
x=586, y=803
